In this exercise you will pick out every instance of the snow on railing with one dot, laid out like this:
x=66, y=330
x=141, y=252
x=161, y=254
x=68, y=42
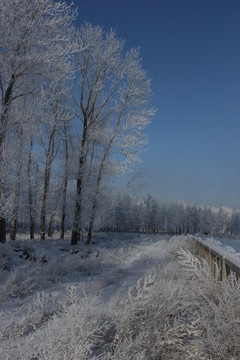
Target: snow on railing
x=220, y=260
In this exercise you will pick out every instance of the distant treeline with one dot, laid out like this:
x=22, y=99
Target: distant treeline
x=122, y=212
x=131, y=215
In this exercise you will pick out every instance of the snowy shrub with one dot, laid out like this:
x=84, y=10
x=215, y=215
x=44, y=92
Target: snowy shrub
x=221, y=321
x=39, y=311
x=18, y=284
x=78, y=332
x=219, y=308
x=155, y=320
x=196, y=270
x=185, y=242
x=178, y=312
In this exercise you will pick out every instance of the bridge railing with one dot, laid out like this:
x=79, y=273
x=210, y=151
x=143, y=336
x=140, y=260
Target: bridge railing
x=219, y=264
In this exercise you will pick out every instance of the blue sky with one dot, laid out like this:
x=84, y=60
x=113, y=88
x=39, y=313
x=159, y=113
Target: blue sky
x=191, y=51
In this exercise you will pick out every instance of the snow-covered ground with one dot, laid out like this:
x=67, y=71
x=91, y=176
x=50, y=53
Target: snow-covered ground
x=37, y=278
x=127, y=297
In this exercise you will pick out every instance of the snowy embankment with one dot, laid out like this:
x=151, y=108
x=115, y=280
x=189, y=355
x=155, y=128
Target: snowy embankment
x=131, y=297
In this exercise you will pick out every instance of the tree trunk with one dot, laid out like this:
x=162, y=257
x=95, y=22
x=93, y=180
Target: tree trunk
x=2, y=229
x=43, y=208
x=76, y=230
x=91, y=223
x=30, y=195
x=49, y=160
x=13, y=227
x=62, y=228
x=32, y=227
x=51, y=223
x=6, y=107
x=95, y=199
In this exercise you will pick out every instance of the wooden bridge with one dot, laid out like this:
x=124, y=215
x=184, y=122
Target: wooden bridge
x=219, y=264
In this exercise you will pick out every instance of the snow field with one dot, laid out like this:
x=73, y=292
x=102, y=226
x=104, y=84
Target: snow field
x=128, y=297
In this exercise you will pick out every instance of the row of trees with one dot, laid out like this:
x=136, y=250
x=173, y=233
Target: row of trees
x=74, y=105
x=122, y=212
x=130, y=214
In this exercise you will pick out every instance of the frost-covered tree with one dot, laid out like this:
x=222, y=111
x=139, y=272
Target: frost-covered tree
x=113, y=98
x=36, y=43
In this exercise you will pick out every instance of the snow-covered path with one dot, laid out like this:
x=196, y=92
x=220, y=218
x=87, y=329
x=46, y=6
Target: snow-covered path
x=142, y=260
x=31, y=292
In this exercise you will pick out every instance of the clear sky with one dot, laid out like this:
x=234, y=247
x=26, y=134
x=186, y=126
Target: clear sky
x=191, y=51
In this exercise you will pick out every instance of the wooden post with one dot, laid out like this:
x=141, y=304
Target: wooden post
x=220, y=269
x=209, y=259
x=212, y=264
x=224, y=270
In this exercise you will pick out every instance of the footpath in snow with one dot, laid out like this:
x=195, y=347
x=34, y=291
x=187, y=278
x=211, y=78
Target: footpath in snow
x=38, y=277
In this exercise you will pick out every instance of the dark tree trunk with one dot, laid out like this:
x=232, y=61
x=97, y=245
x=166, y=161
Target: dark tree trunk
x=51, y=224
x=76, y=230
x=32, y=226
x=62, y=228
x=2, y=229
x=91, y=224
x=43, y=209
x=49, y=160
x=30, y=195
x=95, y=199
x=6, y=107
x=13, y=227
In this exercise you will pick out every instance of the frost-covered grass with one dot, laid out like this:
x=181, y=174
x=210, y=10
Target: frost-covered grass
x=128, y=297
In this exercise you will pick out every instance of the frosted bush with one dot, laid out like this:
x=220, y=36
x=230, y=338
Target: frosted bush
x=221, y=321
x=156, y=319
x=18, y=284
x=219, y=308
x=78, y=332
x=185, y=242
x=39, y=311
x=178, y=312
